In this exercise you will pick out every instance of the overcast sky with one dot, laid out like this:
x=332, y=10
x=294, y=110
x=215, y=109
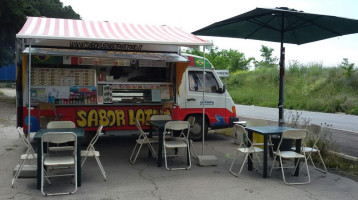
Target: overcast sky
x=191, y=15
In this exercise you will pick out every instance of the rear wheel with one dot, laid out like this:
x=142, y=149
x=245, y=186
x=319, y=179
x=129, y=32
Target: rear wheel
x=196, y=132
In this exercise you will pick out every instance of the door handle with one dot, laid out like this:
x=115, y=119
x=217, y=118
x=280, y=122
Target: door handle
x=191, y=99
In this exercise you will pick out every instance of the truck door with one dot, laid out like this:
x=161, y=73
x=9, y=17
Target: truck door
x=214, y=100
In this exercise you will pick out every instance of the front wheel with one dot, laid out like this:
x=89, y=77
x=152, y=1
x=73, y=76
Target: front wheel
x=196, y=132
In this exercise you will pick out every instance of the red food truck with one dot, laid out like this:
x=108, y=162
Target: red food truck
x=108, y=73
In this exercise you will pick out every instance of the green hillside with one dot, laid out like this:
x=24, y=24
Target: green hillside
x=307, y=87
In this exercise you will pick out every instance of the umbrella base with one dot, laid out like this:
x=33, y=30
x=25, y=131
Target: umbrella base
x=207, y=160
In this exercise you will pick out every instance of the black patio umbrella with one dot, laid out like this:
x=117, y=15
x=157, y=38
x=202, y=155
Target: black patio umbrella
x=282, y=25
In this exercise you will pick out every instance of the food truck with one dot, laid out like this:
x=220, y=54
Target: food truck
x=108, y=73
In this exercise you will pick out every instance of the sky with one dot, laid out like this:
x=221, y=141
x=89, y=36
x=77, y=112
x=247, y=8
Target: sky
x=191, y=15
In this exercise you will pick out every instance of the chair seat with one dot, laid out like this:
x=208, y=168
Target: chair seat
x=63, y=148
x=28, y=156
x=289, y=154
x=250, y=150
x=306, y=149
x=55, y=161
x=175, y=144
x=89, y=153
x=145, y=141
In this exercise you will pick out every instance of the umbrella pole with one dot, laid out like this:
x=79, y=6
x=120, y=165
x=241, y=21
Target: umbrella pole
x=281, y=119
x=29, y=94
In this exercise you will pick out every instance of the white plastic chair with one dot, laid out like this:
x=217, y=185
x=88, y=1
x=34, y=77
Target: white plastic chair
x=142, y=139
x=297, y=134
x=316, y=131
x=243, y=148
x=173, y=144
x=60, y=124
x=27, y=156
x=91, y=152
x=48, y=160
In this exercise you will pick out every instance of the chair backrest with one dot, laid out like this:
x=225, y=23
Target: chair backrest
x=177, y=126
x=168, y=105
x=137, y=124
x=315, y=131
x=242, y=135
x=256, y=122
x=191, y=120
x=61, y=124
x=58, y=138
x=30, y=150
x=295, y=134
x=95, y=138
x=160, y=117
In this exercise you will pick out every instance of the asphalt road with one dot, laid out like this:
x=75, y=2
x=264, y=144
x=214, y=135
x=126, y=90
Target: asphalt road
x=344, y=128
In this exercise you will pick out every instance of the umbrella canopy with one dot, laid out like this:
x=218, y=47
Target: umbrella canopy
x=281, y=25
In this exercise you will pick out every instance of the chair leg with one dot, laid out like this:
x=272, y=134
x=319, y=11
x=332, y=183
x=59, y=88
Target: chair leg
x=318, y=169
x=150, y=146
x=131, y=159
x=232, y=164
x=101, y=168
x=297, y=183
x=273, y=164
x=17, y=173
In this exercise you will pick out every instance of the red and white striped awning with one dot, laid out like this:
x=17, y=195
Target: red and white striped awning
x=69, y=29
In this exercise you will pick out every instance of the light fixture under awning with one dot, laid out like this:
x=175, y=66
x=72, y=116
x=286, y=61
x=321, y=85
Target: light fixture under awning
x=167, y=57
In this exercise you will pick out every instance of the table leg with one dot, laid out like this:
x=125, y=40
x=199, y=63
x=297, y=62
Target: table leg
x=79, y=172
x=249, y=161
x=39, y=155
x=160, y=146
x=265, y=156
x=298, y=150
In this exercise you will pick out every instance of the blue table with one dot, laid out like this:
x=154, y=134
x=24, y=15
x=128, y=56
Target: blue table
x=80, y=132
x=266, y=131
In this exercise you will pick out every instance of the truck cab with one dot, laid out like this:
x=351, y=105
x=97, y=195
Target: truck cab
x=201, y=81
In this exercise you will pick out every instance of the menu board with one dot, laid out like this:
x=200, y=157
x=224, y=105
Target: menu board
x=62, y=77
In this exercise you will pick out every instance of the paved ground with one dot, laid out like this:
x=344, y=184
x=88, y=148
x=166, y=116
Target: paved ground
x=144, y=180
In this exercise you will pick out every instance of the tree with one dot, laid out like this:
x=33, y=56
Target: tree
x=224, y=59
x=268, y=61
x=348, y=67
x=13, y=15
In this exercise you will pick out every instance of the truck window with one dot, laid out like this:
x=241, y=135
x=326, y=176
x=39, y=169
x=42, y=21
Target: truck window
x=196, y=82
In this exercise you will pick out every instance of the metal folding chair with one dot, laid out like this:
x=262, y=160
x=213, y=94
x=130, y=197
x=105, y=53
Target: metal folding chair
x=142, y=139
x=60, y=124
x=243, y=148
x=91, y=152
x=177, y=143
x=27, y=156
x=60, y=160
x=297, y=134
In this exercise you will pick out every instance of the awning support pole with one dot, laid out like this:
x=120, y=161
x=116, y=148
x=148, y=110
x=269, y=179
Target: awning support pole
x=203, y=129
x=29, y=93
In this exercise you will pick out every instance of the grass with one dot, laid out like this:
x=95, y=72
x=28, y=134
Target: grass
x=312, y=88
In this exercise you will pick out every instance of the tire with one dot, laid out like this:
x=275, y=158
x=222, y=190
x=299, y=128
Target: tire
x=196, y=132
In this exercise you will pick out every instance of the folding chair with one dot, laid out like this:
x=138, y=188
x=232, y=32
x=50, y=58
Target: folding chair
x=173, y=144
x=142, y=139
x=91, y=152
x=47, y=113
x=316, y=131
x=60, y=124
x=242, y=135
x=48, y=160
x=28, y=156
x=297, y=134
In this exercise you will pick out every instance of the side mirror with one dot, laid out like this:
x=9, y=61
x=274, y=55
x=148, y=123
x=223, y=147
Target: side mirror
x=222, y=90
